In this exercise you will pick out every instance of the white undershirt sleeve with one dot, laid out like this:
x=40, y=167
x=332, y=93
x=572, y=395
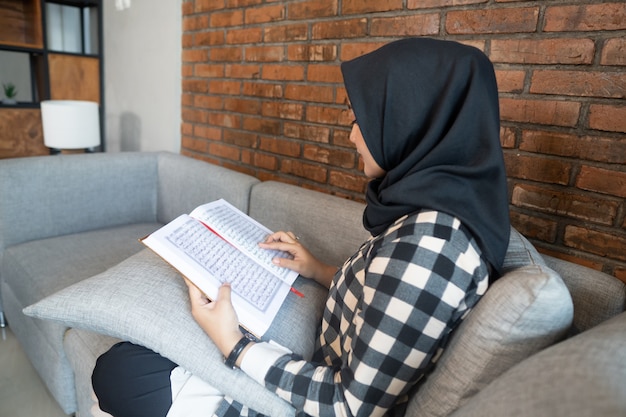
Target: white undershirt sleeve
x=260, y=357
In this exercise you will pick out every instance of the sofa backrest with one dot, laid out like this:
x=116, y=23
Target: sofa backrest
x=329, y=226
x=185, y=183
x=63, y=194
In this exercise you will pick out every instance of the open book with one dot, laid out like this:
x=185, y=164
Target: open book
x=218, y=243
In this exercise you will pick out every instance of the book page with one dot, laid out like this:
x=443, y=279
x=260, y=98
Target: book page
x=244, y=233
x=208, y=261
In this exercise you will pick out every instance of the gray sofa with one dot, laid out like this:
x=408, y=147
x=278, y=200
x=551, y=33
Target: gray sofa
x=548, y=339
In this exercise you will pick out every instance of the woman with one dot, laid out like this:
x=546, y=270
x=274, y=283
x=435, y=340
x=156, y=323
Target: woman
x=427, y=128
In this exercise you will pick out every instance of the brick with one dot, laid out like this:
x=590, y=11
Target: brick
x=287, y=72
x=312, y=9
x=240, y=139
x=187, y=99
x=186, y=129
x=266, y=90
x=320, y=134
x=510, y=81
x=413, y=25
x=327, y=115
x=596, y=242
x=589, y=17
x=356, y=49
x=543, y=51
x=602, y=180
x=280, y=146
x=614, y=52
x=286, y=33
x=565, y=204
x=242, y=105
x=208, y=132
x=195, y=86
x=369, y=6
x=233, y=4
x=209, y=70
x=507, y=137
x=509, y=20
x=283, y=110
x=348, y=181
x=224, y=151
x=573, y=258
x=187, y=41
x=591, y=148
x=310, y=92
x=265, y=14
x=264, y=53
x=311, y=53
x=225, y=87
x=248, y=71
x=545, y=112
x=265, y=161
x=243, y=36
x=329, y=156
x=339, y=29
x=304, y=170
x=226, y=18
x=537, y=168
x=191, y=23
x=226, y=54
x=208, y=102
x=208, y=38
x=207, y=5
x=195, y=55
x=224, y=120
x=430, y=4
x=187, y=70
x=534, y=227
x=601, y=84
x=324, y=73
x=608, y=118
x=261, y=125
x=195, y=144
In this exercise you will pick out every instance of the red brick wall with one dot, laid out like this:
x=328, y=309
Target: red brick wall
x=263, y=94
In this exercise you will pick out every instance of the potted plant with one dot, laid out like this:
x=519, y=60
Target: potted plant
x=10, y=92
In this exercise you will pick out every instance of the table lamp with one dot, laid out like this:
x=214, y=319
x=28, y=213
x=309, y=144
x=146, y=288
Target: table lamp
x=70, y=124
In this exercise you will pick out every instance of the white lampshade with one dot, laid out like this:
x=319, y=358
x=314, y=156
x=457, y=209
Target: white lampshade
x=70, y=124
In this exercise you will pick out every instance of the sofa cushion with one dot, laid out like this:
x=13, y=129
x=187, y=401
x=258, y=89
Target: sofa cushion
x=582, y=376
x=145, y=301
x=33, y=270
x=524, y=311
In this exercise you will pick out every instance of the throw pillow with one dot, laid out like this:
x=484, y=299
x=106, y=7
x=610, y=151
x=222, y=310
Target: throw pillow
x=526, y=310
x=145, y=301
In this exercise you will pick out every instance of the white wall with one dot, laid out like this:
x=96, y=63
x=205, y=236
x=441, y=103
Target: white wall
x=142, y=75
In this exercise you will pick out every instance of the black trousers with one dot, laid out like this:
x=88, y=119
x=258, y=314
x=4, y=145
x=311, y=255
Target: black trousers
x=133, y=381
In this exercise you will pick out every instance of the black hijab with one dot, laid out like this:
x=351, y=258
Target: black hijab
x=428, y=111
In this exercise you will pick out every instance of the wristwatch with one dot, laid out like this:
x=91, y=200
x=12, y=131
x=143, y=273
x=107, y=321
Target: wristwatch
x=231, y=360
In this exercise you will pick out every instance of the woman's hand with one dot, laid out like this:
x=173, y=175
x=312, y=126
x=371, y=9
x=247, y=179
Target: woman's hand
x=217, y=318
x=302, y=261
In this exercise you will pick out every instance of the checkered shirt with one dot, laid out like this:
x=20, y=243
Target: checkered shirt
x=389, y=310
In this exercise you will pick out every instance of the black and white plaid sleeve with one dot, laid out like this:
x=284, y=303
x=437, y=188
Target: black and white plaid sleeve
x=388, y=310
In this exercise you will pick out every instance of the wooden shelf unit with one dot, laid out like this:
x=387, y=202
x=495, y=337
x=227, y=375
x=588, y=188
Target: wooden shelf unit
x=54, y=74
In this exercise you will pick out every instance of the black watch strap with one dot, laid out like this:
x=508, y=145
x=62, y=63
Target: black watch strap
x=231, y=360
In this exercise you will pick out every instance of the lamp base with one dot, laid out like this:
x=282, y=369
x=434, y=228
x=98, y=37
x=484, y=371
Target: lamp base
x=57, y=151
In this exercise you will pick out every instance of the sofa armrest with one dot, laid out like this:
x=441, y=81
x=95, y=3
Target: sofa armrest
x=56, y=195
x=597, y=296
